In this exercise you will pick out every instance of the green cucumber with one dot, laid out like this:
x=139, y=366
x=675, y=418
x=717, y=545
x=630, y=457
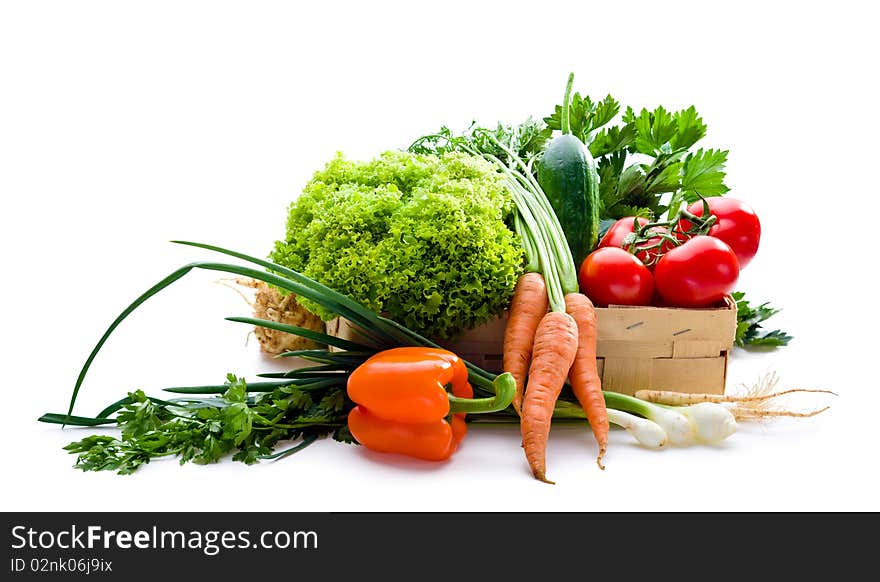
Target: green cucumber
x=567, y=174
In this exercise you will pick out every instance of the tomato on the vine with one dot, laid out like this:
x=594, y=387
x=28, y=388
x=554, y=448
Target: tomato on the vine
x=617, y=232
x=611, y=275
x=623, y=227
x=699, y=273
x=736, y=224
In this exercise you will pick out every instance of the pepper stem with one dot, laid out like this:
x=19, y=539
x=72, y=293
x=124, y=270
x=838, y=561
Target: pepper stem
x=505, y=386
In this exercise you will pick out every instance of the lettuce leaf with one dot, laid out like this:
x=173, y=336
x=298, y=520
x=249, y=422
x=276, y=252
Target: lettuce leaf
x=422, y=238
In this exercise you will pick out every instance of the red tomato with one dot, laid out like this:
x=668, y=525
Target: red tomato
x=699, y=273
x=616, y=237
x=736, y=224
x=611, y=275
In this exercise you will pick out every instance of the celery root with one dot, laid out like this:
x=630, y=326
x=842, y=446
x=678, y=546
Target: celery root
x=270, y=304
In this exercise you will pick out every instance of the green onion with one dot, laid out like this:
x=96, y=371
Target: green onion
x=385, y=330
x=683, y=425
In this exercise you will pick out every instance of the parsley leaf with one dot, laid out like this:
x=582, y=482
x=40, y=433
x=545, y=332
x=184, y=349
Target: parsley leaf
x=749, y=331
x=141, y=416
x=689, y=129
x=664, y=173
x=611, y=140
x=610, y=168
x=654, y=130
x=703, y=174
x=237, y=391
x=585, y=117
x=238, y=422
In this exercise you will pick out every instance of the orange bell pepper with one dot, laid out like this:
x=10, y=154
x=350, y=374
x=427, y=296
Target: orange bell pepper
x=431, y=441
x=403, y=406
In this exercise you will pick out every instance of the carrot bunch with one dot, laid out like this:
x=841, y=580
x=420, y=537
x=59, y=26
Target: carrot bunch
x=551, y=330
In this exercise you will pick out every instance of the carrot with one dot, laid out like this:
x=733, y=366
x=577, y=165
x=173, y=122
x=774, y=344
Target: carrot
x=554, y=350
x=528, y=306
x=584, y=376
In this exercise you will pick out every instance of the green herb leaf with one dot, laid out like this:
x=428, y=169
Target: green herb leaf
x=612, y=140
x=238, y=421
x=749, y=329
x=771, y=339
x=703, y=174
x=610, y=168
x=663, y=174
x=237, y=391
x=141, y=416
x=606, y=110
x=585, y=117
x=654, y=130
x=689, y=129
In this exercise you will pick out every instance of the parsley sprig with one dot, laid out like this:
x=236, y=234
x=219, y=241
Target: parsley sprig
x=647, y=162
x=247, y=424
x=749, y=328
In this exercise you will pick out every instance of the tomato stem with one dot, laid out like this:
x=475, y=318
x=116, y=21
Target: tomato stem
x=660, y=234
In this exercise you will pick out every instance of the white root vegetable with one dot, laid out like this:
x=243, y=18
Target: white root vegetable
x=271, y=305
x=756, y=402
x=745, y=413
x=673, y=398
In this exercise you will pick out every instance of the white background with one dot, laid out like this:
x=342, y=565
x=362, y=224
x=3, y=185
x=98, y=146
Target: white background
x=124, y=125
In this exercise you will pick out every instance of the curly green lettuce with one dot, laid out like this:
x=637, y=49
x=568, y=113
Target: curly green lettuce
x=422, y=238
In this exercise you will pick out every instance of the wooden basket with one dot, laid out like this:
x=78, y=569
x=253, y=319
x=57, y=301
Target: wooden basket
x=662, y=348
